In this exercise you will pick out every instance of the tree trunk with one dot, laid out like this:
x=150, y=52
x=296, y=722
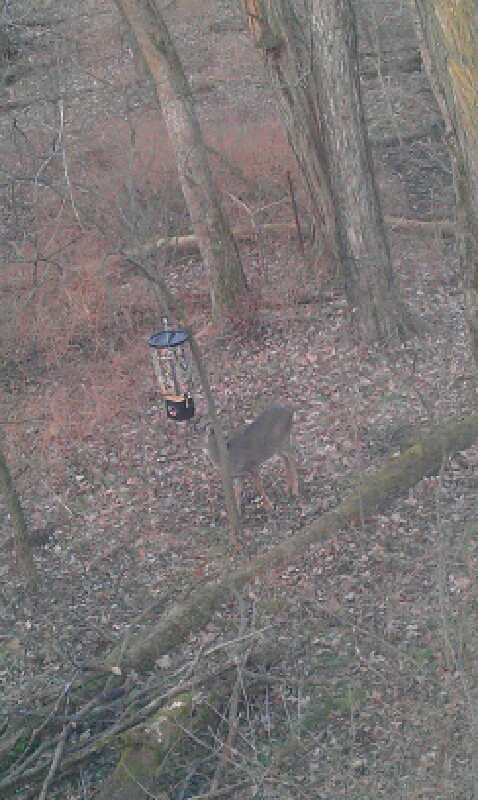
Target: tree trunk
x=315, y=61
x=447, y=36
x=288, y=69
x=17, y=518
x=216, y=242
x=363, y=244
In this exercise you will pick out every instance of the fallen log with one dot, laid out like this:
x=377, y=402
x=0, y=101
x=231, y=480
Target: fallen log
x=376, y=494
x=188, y=244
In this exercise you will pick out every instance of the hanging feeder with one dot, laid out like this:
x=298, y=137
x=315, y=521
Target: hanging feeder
x=173, y=372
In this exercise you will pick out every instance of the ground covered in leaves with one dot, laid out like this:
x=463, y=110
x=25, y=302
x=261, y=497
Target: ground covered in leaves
x=370, y=687
x=377, y=626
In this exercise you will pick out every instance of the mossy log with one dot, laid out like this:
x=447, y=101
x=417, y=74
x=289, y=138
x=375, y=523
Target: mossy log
x=376, y=494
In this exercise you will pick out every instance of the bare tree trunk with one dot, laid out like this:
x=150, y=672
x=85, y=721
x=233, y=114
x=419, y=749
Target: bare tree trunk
x=447, y=36
x=363, y=243
x=314, y=55
x=17, y=518
x=287, y=61
x=216, y=242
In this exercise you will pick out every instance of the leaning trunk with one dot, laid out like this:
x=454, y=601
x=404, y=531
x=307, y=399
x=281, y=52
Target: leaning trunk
x=447, y=36
x=17, y=518
x=216, y=242
x=279, y=34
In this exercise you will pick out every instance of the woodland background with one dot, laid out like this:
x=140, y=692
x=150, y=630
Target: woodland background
x=333, y=661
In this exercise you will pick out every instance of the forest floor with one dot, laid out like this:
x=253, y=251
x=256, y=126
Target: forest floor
x=379, y=623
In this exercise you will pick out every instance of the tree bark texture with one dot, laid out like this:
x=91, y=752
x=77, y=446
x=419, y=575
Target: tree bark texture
x=216, y=242
x=363, y=244
x=17, y=518
x=447, y=32
x=287, y=59
x=312, y=56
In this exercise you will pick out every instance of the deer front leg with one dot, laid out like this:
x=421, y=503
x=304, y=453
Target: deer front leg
x=237, y=486
x=288, y=477
x=292, y=478
x=260, y=488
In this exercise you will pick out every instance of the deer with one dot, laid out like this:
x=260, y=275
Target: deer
x=268, y=436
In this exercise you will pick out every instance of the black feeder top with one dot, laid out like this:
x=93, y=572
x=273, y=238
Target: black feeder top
x=168, y=338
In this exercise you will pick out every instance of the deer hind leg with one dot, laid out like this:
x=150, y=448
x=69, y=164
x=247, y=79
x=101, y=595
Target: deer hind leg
x=237, y=485
x=292, y=477
x=288, y=476
x=260, y=488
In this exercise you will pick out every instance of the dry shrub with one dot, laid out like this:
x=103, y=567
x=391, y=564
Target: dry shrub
x=89, y=401
x=196, y=302
x=134, y=303
x=117, y=386
x=244, y=318
x=266, y=162
x=65, y=309
x=80, y=310
x=55, y=407
x=87, y=296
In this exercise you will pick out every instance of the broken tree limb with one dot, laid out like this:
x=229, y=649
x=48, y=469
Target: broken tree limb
x=188, y=245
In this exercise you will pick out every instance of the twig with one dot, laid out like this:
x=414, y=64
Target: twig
x=224, y=790
x=296, y=212
x=65, y=164
x=141, y=786
x=209, y=747
x=241, y=638
x=56, y=761
x=226, y=749
x=20, y=762
x=57, y=497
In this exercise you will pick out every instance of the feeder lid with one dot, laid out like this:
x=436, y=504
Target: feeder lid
x=168, y=338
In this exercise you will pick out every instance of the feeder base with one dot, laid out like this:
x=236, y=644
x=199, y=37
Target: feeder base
x=179, y=408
